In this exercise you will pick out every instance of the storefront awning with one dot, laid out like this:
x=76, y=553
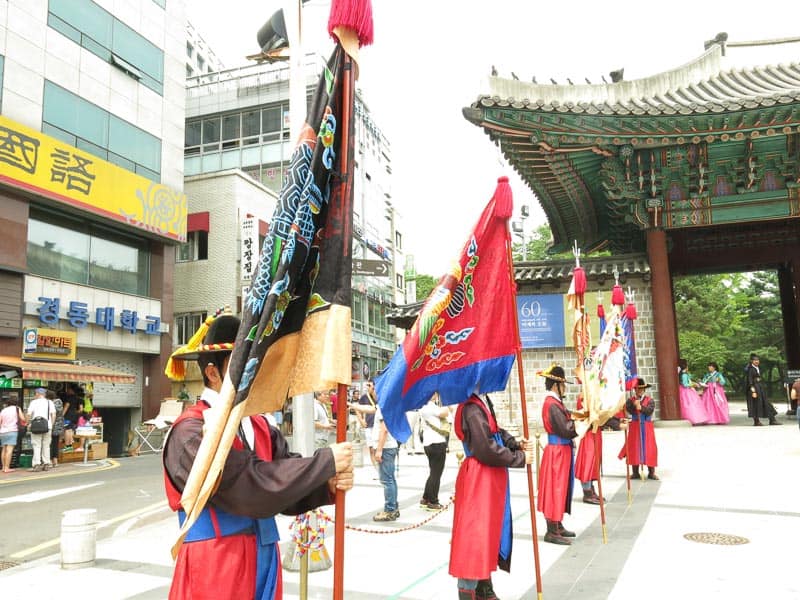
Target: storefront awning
x=53, y=371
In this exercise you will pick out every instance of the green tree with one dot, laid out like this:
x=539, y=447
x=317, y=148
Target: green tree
x=425, y=285
x=723, y=318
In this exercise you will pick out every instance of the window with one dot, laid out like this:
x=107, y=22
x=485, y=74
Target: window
x=185, y=326
x=87, y=254
x=195, y=248
x=398, y=241
x=271, y=123
x=79, y=123
x=201, y=63
x=88, y=25
x=2, y=69
x=230, y=131
x=189, y=49
x=399, y=281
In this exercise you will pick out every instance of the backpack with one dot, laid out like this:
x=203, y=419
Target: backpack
x=39, y=425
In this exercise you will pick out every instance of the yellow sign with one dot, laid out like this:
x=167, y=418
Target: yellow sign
x=49, y=343
x=590, y=301
x=34, y=162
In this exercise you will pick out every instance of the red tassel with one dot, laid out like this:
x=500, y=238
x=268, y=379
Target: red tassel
x=630, y=311
x=355, y=15
x=503, y=199
x=617, y=296
x=579, y=279
x=601, y=312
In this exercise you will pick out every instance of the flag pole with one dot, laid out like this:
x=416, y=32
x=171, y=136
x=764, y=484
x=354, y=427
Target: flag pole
x=341, y=408
x=627, y=467
x=524, y=408
x=598, y=460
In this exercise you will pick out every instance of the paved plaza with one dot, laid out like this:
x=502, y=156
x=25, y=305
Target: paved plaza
x=722, y=482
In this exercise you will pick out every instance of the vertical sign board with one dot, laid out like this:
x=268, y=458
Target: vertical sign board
x=249, y=248
x=541, y=321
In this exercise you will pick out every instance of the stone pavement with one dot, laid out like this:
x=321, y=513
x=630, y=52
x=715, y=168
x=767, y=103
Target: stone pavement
x=723, y=483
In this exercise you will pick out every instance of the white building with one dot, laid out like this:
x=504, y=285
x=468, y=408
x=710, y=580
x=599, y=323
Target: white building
x=200, y=58
x=239, y=118
x=93, y=97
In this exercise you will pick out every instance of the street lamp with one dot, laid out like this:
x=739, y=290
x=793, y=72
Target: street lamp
x=518, y=228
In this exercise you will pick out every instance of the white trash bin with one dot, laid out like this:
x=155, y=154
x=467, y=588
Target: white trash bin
x=78, y=538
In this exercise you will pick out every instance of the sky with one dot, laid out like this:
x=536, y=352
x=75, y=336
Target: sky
x=431, y=59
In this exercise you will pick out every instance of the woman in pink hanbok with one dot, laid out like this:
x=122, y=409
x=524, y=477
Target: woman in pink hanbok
x=714, y=398
x=692, y=406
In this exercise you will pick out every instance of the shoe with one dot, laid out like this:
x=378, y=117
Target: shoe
x=386, y=516
x=555, y=538
x=46, y=468
x=774, y=422
x=485, y=591
x=423, y=503
x=591, y=498
x=653, y=476
x=565, y=532
x=35, y=469
x=757, y=424
x=433, y=506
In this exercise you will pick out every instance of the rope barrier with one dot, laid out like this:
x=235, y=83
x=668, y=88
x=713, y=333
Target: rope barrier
x=316, y=536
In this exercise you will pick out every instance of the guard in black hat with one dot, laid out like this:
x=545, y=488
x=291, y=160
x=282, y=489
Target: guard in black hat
x=641, y=447
x=555, y=472
x=236, y=531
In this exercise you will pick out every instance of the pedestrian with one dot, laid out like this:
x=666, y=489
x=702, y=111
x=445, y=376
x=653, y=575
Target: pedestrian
x=555, y=472
x=231, y=552
x=322, y=424
x=435, y=436
x=11, y=420
x=693, y=409
x=386, y=456
x=58, y=427
x=42, y=409
x=70, y=401
x=641, y=449
x=482, y=532
x=714, y=397
x=758, y=406
x=367, y=406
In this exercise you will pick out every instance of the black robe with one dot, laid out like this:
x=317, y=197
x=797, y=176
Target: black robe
x=758, y=407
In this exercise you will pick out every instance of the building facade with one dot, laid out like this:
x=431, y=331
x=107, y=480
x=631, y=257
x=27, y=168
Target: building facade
x=239, y=119
x=91, y=201
x=228, y=220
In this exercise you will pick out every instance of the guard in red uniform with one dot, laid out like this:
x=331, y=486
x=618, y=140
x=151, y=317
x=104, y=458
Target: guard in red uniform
x=556, y=471
x=586, y=467
x=641, y=448
x=482, y=518
x=231, y=552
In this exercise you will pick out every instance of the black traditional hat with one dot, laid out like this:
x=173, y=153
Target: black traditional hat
x=216, y=334
x=640, y=384
x=554, y=373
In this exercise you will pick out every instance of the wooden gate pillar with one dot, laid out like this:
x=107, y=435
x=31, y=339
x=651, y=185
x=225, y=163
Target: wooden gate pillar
x=787, y=275
x=664, y=325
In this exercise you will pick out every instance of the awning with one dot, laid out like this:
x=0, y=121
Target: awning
x=53, y=371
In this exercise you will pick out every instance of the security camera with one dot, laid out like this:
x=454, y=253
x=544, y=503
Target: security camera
x=9, y=374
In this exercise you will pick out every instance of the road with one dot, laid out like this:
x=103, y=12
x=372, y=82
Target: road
x=128, y=492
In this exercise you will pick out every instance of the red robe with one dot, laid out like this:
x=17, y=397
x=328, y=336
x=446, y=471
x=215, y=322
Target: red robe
x=481, y=488
x=555, y=472
x=641, y=447
x=590, y=446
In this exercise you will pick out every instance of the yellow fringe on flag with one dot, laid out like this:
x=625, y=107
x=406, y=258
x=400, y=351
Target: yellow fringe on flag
x=176, y=368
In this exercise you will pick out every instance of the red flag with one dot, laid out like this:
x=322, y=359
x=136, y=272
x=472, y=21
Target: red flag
x=464, y=338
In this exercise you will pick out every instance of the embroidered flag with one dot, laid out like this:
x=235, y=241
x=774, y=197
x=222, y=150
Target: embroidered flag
x=296, y=316
x=464, y=338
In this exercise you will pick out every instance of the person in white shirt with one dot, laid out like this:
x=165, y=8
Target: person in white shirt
x=435, y=430
x=40, y=406
x=322, y=424
x=386, y=455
